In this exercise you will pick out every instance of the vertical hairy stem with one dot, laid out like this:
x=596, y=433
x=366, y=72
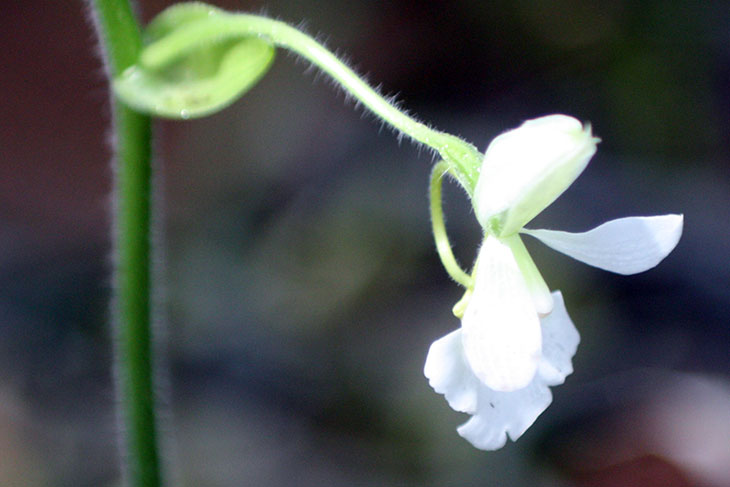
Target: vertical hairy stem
x=121, y=42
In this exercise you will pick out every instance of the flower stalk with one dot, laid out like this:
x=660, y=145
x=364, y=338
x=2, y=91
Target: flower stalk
x=180, y=34
x=283, y=35
x=443, y=247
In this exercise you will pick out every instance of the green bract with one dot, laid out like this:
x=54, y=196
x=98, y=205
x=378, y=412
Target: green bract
x=192, y=82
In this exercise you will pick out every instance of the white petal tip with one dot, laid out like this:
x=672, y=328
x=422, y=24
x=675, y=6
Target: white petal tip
x=624, y=246
x=659, y=236
x=673, y=225
x=505, y=414
x=448, y=373
x=474, y=432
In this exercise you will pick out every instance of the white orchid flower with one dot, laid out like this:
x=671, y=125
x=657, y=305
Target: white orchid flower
x=516, y=338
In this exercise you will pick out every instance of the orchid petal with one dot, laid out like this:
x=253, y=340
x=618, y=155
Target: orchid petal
x=526, y=169
x=625, y=246
x=449, y=373
x=499, y=414
x=501, y=329
x=559, y=343
x=505, y=413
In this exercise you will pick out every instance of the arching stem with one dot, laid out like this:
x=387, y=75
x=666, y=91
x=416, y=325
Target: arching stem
x=439, y=228
x=463, y=158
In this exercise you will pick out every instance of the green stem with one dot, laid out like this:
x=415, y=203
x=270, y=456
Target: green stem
x=121, y=40
x=439, y=228
x=463, y=157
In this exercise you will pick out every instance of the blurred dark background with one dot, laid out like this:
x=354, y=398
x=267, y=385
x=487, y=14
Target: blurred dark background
x=301, y=287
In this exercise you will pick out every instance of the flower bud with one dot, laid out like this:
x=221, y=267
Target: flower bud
x=526, y=169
